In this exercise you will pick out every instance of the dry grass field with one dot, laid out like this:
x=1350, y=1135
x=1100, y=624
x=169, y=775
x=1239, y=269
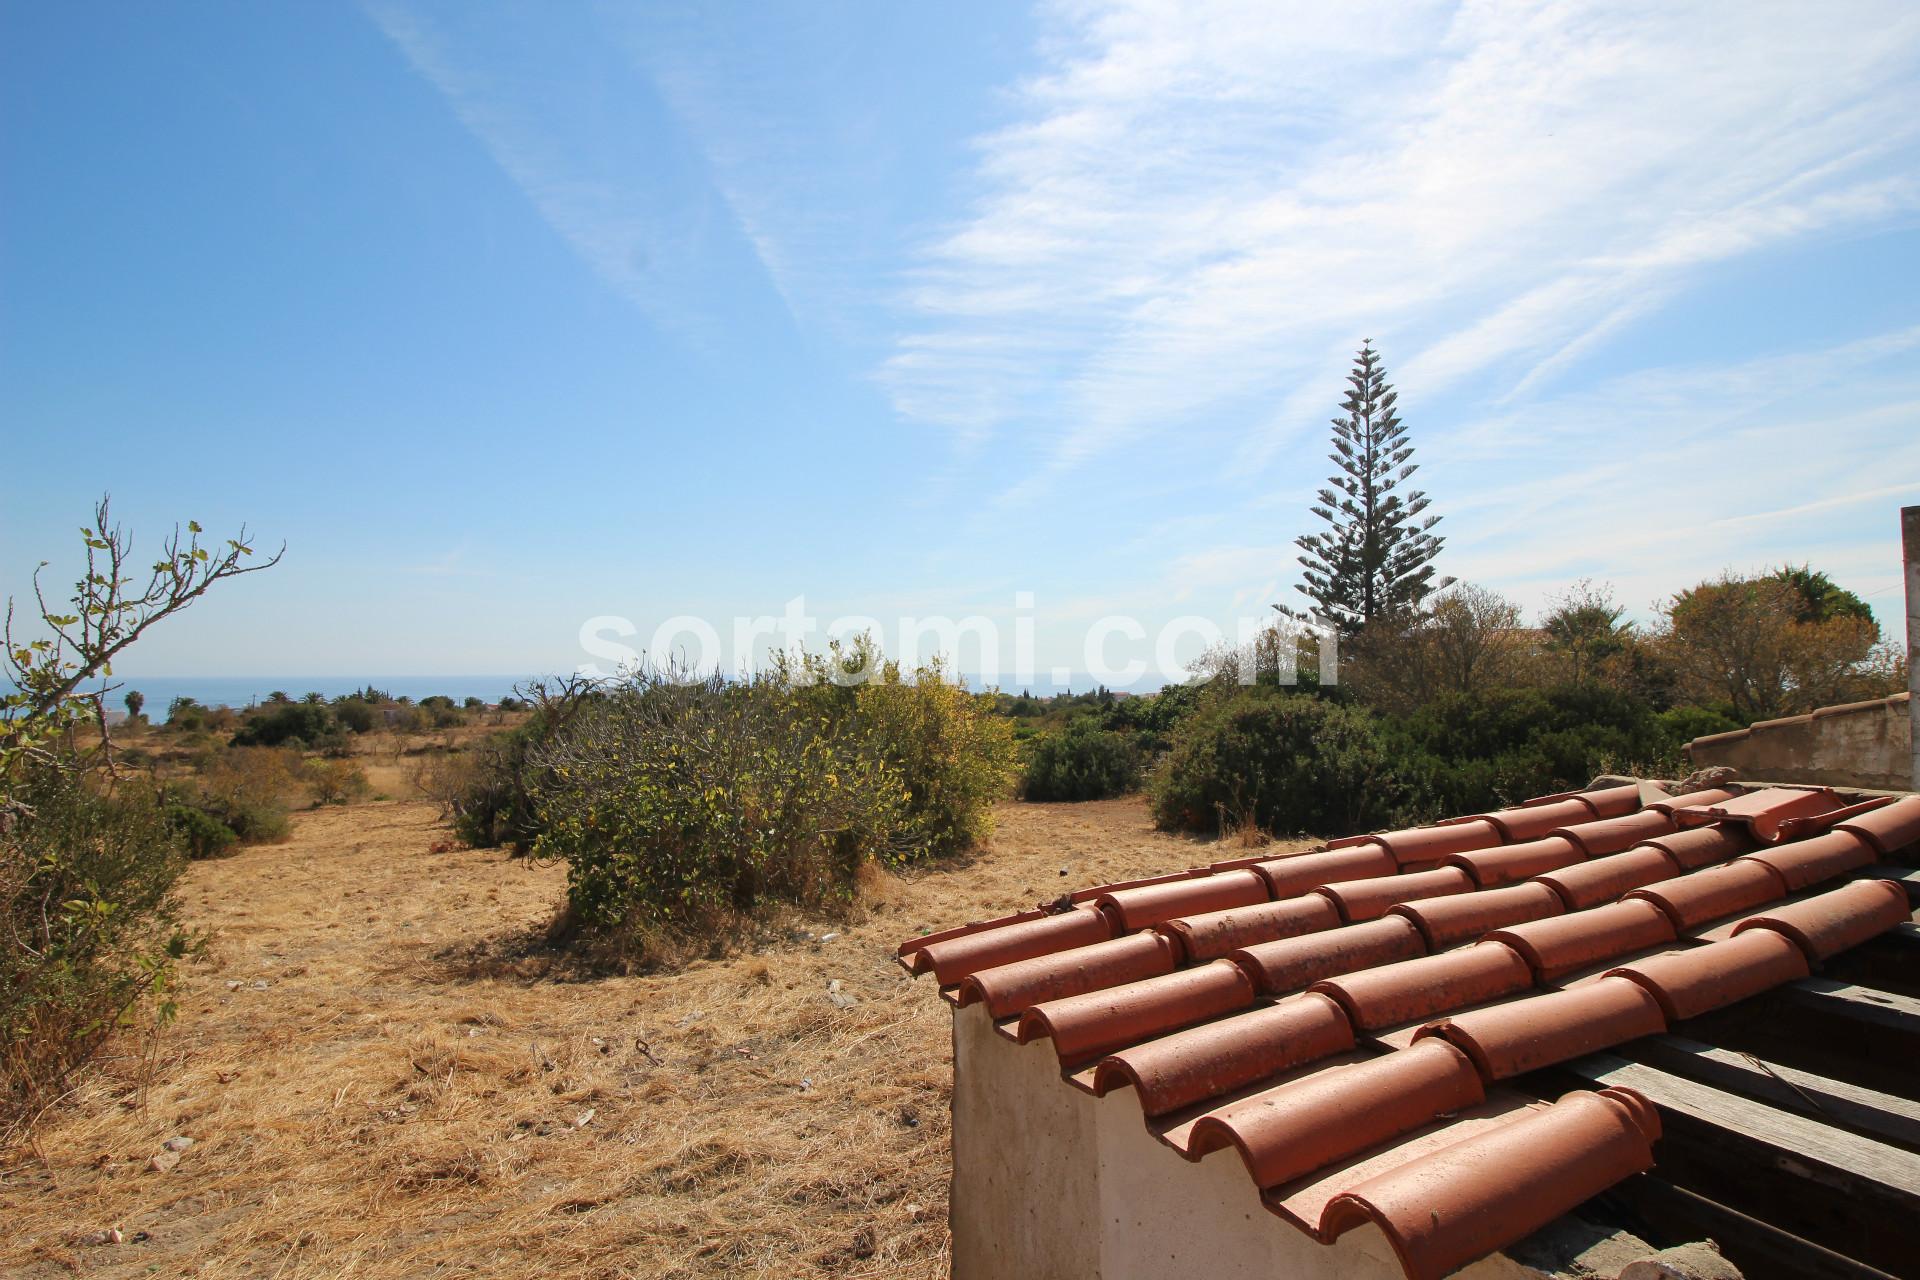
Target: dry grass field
x=383, y=1075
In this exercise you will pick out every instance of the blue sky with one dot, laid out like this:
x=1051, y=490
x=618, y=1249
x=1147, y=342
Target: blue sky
x=505, y=317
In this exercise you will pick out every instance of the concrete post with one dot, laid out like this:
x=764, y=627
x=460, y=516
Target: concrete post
x=1910, y=539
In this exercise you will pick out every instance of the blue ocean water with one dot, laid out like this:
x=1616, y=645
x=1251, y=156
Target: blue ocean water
x=245, y=691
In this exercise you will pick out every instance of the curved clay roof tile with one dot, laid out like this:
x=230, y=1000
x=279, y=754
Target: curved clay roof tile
x=1011, y=988
x=1214, y=934
x=1297, y=1128
x=1207, y=1061
x=1084, y=1025
x=1506, y=1040
x=1611, y=835
x=1691, y=799
x=1701, y=897
x=1611, y=802
x=1888, y=829
x=1530, y=822
x=1491, y=868
x=1766, y=813
x=1560, y=945
x=1460, y=917
x=954, y=958
x=1431, y=844
x=1294, y=963
x=1588, y=884
x=1808, y=862
x=1702, y=846
x=1392, y=994
x=1289, y=877
x=1369, y=899
x=1701, y=979
x=1826, y=925
x=1462, y=1202
x=1148, y=905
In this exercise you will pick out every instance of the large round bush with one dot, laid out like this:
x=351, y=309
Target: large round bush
x=1285, y=762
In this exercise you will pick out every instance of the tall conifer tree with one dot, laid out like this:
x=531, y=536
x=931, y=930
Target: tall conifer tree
x=1376, y=556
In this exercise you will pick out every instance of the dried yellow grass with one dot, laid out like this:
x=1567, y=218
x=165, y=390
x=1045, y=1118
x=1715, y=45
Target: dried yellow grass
x=419, y=1091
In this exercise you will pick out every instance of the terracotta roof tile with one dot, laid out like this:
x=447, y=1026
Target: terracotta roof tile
x=1889, y=829
x=1296, y=1128
x=1099, y=1021
x=1702, y=846
x=1713, y=795
x=1010, y=988
x=1530, y=822
x=1147, y=906
x=1214, y=934
x=1288, y=877
x=1459, y=1203
x=1808, y=862
x=954, y=958
x=1764, y=813
x=1411, y=990
x=1611, y=802
x=1430, y=844
x=1700, y=897
x=1295, y=963
x=1826, y=925
x=1369, y=899
x=1588, y=884
x=1697, y=980
x=1611, y=835
x=1506, y=1040
x=1447, y=921
x=1491, y=868
x=1198, y=1005
x=1560, y=945
x=1208, y=1061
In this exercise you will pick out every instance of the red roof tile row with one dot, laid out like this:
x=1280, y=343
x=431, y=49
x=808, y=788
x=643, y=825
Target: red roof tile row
x=1232, y=999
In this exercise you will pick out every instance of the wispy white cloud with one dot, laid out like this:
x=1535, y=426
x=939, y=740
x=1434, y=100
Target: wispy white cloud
x=583, y=131
x=1205, y=206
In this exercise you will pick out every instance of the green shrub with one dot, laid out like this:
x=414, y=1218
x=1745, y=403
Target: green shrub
x=355, y=715
x=1284, y=762
x=1084, y=762
x=953, y=754
x=87, y=880
x=1466, y=752
x=336, y=781
x=251, y=789
x=681, y=807
x=200, y=833
x=298, y=724
x=676, y=805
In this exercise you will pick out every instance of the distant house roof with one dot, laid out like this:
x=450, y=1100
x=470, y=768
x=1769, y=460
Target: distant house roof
x=1355, y=1021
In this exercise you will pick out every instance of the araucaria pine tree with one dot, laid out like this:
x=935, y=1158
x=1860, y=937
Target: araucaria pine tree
x=1376, y=558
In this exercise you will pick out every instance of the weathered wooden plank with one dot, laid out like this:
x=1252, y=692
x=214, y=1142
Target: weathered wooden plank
x=1824, y=1184
x=1761, y=1250
x=1882, y=1116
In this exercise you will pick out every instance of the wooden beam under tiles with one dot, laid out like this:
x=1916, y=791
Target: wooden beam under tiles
x=1655, y=1207
x=1862, y=1035
x=1810, y=1179
x=1868, y=1112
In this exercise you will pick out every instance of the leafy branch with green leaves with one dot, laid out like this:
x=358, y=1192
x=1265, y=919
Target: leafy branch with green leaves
x=108, y=611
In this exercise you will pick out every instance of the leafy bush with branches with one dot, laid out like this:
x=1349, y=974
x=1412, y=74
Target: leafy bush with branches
x=88, y=858
x=681, y=806
x=296, y=724
x=1083, y=762
x=88, y=879
x=1282, y=762
x=677, y=805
